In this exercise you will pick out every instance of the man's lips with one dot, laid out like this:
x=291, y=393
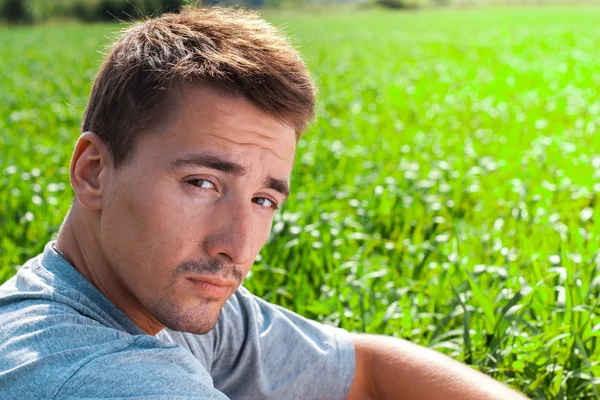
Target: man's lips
x=211, y=286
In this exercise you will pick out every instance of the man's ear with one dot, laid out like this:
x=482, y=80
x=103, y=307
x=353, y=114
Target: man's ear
x=91, y=171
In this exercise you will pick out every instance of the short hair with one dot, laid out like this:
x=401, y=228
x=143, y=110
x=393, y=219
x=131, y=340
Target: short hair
x=230, y=48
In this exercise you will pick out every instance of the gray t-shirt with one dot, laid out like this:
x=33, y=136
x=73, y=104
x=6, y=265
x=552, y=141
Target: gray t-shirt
x=60, y=338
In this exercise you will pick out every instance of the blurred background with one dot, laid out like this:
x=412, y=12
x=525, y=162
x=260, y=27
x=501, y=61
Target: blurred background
x=28, y=11
x=447, y=193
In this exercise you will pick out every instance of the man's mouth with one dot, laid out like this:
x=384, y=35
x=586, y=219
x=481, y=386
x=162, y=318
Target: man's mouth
x=212, y=286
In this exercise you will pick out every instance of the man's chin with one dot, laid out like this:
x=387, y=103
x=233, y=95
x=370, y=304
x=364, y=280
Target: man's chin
x=197, y=324
x=199, y=320
x=194, y=329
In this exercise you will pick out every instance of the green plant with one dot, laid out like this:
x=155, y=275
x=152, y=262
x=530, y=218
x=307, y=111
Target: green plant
x=448, y=193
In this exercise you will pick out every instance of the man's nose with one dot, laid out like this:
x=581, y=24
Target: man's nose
x=233, y=234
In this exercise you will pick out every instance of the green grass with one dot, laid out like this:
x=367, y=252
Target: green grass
x=448, y=193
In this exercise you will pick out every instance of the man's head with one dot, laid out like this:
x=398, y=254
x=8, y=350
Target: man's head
x=188, y=145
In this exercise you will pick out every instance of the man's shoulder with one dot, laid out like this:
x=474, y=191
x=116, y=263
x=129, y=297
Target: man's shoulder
x=74, y=356
x=48, y=288
x=34, y=300
x=43, y=338
x=53, y=333
x=45, y=322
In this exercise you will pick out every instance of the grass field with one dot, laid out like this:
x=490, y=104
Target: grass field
x=449, y=193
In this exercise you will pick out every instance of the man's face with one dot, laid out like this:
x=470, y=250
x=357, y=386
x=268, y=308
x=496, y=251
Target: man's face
x=187, y=215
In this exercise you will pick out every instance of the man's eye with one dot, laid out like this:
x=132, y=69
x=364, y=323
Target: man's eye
x=263, y=201
x=202, y=183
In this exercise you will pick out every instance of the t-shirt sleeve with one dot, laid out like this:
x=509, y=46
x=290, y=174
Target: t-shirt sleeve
x=263, y=351
x=142, y=370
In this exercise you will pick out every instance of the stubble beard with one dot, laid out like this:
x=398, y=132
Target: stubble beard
x=199, y=319
x=202, y=316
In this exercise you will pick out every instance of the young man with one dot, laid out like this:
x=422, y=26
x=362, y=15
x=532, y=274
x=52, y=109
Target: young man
x=187, y=148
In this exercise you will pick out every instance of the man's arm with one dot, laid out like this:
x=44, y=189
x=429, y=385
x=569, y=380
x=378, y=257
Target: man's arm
x=390, y=368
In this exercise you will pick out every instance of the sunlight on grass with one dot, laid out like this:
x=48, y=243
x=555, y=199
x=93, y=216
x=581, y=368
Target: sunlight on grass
x=447, y=195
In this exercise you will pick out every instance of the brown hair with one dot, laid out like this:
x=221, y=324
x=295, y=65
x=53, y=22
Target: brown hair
x=229, y=48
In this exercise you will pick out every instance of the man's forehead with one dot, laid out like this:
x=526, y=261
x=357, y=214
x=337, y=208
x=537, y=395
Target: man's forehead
x=229, y=120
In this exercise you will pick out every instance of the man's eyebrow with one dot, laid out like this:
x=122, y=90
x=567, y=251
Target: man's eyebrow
x=205, y=160
x=209, y=161
x=279, y=185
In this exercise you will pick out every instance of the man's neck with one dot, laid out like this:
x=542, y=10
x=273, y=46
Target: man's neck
x=77, y=239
